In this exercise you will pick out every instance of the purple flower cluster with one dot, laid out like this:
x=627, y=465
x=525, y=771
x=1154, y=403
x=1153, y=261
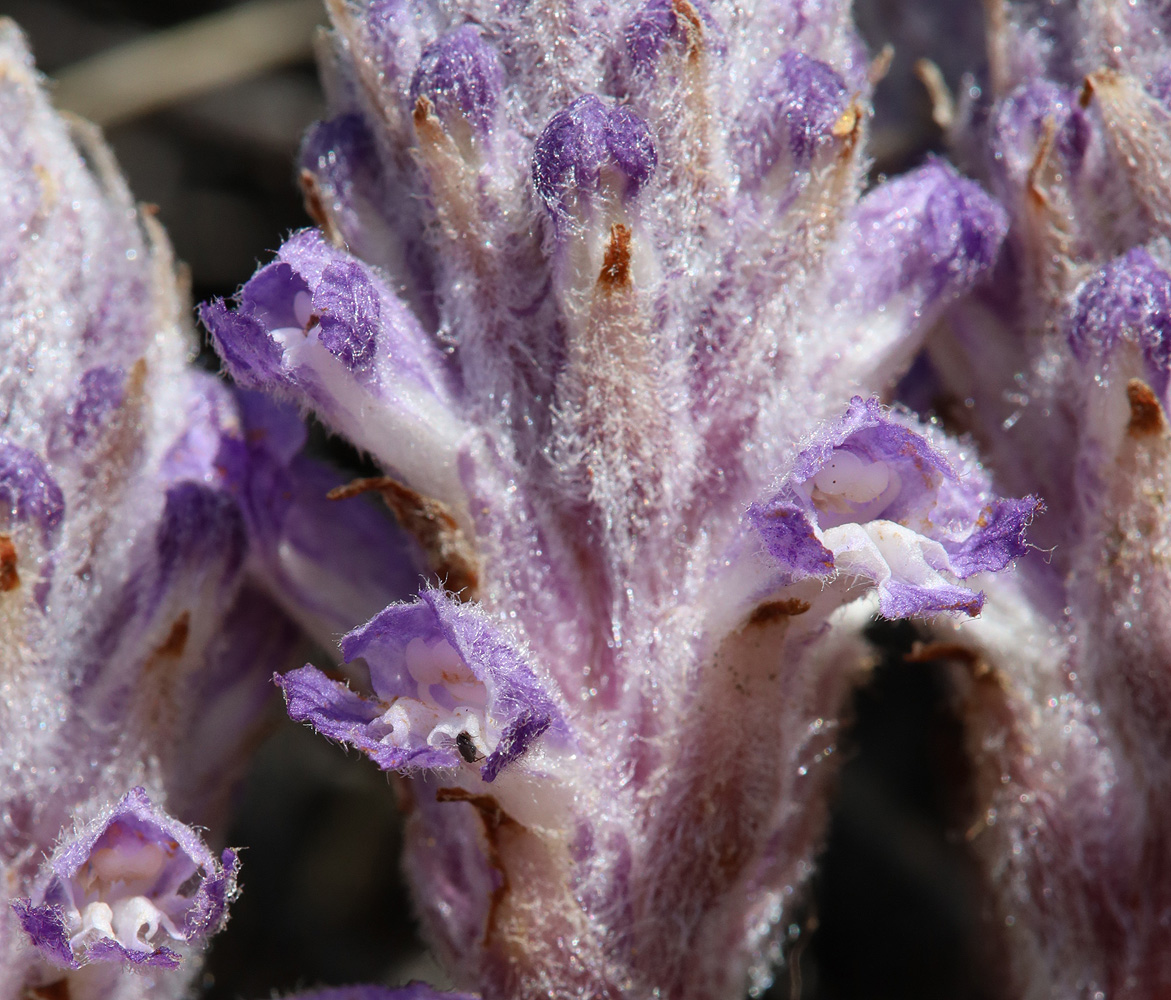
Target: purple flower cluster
x=1058, y=369
x=135, y=649
x=609, y=349
x=604, y=293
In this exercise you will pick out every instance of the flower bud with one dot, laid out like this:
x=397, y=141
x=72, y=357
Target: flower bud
x=928, y=235
x=587, y=148
x=461, y=75
x=659, y=23
x=789, y=116
x=1129, y=300
x=1022, y=121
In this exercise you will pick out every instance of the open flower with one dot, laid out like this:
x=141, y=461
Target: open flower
x=127, y=890
x=446, y=689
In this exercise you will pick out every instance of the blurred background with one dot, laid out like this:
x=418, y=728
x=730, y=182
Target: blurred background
x=204, y=103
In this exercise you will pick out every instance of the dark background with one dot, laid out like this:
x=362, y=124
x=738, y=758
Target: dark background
x=895, y=909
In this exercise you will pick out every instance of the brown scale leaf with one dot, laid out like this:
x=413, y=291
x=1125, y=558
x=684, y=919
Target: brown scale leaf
x=9, y=578
x=1146, y=415
x=316, y=210
x=176, y=641
x=450, y=556
x=693, y=26
x=615, y=273
x=775, y=610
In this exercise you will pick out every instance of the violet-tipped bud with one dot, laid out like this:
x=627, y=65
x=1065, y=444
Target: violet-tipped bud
x=588, y=146
x=928, y=236
x=660, y=23
x=789, y=115
x=1129, y=301
x=462, y=76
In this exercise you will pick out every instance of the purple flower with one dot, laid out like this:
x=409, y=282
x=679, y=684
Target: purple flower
x=322, y=329
x=447, y=688
x=874, y=500
x=128, y=889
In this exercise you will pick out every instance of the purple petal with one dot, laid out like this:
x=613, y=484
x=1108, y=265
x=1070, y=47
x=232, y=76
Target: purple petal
x=348, y=306
x=314, y=290
x=46, y=928
x=242, y=339
x=521, y=733
x=309, y=694
x=998, y=540
x=132, y=881
x=907, y=600
x=491, y=656
x=210, y=418
x=789, y=537
x=271, y=427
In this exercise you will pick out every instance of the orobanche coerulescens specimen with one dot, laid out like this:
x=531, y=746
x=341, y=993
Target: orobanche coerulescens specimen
x=606, y=293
